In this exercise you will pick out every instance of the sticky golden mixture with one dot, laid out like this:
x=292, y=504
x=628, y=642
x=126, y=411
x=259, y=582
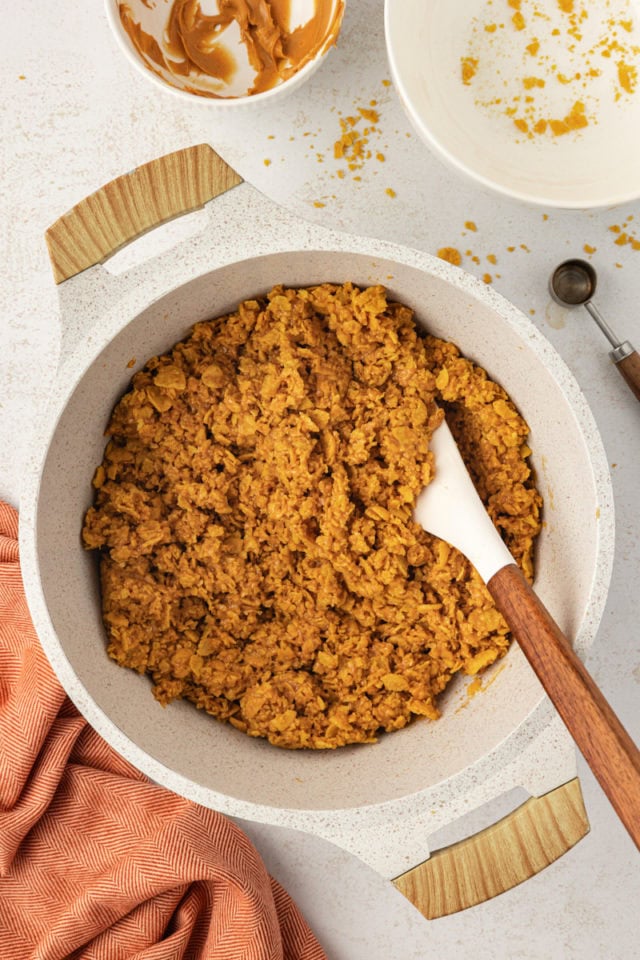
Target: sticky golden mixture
x=254, y=517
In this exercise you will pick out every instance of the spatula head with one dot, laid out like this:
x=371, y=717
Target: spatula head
x=451, y=509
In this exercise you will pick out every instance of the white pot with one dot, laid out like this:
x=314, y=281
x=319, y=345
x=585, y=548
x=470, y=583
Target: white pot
x=380, y=801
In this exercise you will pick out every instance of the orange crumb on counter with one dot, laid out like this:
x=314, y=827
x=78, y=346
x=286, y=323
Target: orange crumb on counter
x=589, y=249
x=470, y=225
x=390, y=192
x=487, y=278
x=625, y=236
x=267, y=162
x=319, y=203
x=623, y=239
x=491, y=257
x=518, y=21
x=451, y=255
x=353, y=145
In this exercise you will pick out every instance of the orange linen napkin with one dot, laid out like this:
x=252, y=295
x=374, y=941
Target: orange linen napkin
x=98, y=863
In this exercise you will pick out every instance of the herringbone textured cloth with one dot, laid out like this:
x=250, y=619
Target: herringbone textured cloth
x=98, y=863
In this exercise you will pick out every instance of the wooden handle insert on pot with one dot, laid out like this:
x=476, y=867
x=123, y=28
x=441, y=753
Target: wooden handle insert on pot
x=500, y=857
x=134, y=203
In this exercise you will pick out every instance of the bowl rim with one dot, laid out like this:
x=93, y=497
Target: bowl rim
x=222, y=103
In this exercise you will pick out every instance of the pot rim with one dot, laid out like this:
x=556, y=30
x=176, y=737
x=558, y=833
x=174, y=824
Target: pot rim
x=138, y=290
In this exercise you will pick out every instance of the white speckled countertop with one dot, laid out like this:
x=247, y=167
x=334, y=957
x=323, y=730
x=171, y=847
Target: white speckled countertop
x=75, y=115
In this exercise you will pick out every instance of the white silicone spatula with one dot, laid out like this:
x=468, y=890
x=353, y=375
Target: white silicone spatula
x=451, y=509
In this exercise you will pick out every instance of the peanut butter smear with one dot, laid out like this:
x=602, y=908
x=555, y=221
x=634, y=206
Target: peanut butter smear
x=193, y=43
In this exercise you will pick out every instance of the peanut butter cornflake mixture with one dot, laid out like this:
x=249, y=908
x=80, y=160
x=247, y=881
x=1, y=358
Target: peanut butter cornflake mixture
x=254, y=518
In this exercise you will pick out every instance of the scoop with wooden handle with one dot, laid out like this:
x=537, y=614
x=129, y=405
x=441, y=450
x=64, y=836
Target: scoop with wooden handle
x=573, y=284
x=451, y=509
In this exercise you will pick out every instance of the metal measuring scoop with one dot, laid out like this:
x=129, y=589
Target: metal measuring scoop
x=573, y=284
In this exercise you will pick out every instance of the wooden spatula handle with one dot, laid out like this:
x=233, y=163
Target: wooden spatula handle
x=603, y=741
x=629, y=367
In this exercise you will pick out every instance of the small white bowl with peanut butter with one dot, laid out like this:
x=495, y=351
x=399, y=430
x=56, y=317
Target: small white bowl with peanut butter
x=226, y=51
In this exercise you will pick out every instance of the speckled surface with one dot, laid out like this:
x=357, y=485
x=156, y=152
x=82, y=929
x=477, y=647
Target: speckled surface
x=57, y=147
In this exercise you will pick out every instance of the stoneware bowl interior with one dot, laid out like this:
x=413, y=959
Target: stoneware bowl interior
x=144, y=44
x=490, y=89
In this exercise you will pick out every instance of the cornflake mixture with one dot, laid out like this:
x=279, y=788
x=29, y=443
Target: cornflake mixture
x=254, y=517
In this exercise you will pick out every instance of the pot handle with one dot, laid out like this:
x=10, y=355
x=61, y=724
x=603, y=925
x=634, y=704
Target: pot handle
x=500, y=857
x=134, y=203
